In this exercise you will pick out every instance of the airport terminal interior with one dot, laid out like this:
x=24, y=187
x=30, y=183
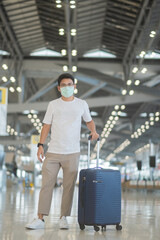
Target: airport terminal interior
x=112, y=48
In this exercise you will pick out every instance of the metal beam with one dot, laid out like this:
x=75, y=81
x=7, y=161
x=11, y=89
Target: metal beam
x=96, y=81
x=92, y=90
x=92, y=102
x=113, y=81
x=68, y=33
x=51, y=84
x=10, y=31
x=139, y=110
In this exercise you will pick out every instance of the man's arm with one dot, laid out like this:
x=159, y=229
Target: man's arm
x=44, y=134
x=91, y=126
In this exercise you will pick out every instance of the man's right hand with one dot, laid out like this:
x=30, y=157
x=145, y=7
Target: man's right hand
x=40, y=153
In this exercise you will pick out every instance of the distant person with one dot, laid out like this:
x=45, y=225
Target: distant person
x=63, y=117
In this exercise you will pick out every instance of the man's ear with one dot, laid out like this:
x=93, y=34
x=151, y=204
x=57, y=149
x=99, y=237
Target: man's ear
x=58, y=87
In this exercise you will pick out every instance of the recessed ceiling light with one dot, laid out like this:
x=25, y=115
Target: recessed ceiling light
x=124, y=92
x=93, y=113
x=129, y=82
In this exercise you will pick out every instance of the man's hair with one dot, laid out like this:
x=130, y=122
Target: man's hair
x=65, y=75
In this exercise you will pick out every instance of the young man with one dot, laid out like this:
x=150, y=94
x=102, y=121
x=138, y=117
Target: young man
x=64, y=117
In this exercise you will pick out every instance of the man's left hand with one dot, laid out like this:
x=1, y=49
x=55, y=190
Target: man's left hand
x=94, y=135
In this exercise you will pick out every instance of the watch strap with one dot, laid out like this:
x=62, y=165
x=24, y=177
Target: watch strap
x=40, y=144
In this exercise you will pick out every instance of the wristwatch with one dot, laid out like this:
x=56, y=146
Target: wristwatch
x=40, y=144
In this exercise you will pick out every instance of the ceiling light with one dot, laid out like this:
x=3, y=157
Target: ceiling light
x=157, y=119
x=40, y=124
x=29, y=116
x=4, y=79
x=65, y=68
x=73, y=32
x=147, y=126
x=135, y=69
x=124, y=92
x=58, y=1
x=131, y=92
x=157, y=114
x=61, y=31
x=26, y=112
x=72, y=6
x=147, y=123
x=152, y=34
x=142, y=54
x=116, y=118
x=137, y=82
x=119, y=113
x=72, y=2
x=74, y=68
x=142, y=126
x=75, y=81
x=34, y=124
x=32, y=120
x=151, y=118
x=75, y=91
x=108, y=122
x=4, y=66
x=33, y=111
x=111, y=118
x=129, y=82
x=144, y=70
x=152, y=123
x=11, y=89
x=74, y=52
x=111, y=125
x=116, y=107
x=58, y=5
x=12, y=79
x=35, y=116
x=19, y=89
x=123, y=107
x=113, y=113
x=37, y=120
x=63, y=52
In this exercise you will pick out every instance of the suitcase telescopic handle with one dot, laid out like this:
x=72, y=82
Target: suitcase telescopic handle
x=89, y=150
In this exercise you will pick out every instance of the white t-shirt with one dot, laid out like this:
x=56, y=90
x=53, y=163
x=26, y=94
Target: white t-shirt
x=65, y=119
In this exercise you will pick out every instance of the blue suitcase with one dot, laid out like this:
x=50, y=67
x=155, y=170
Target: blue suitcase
x=99, y=202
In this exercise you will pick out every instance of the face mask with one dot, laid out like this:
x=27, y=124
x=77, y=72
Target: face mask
x=67, y=91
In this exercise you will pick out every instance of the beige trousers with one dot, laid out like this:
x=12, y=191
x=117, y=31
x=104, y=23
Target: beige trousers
x=50, y=169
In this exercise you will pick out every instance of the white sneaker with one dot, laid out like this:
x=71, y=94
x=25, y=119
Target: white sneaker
x=36, y=224
x=63, y=224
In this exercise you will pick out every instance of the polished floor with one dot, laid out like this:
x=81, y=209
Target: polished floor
x=140, y=217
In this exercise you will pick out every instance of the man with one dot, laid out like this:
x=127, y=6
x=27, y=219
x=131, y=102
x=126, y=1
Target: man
x=63, y=117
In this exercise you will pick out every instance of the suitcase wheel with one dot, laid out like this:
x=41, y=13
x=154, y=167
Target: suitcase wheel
x=104, y=228
x=118, y=227
x=96, y=228
x=82, y=226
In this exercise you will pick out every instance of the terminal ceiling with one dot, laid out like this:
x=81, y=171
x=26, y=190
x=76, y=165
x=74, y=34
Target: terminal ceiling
x=125, y=31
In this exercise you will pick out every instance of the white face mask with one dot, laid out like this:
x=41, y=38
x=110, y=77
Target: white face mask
x=67, y=91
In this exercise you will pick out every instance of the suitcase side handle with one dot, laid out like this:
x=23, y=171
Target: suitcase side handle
x=89, y=150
